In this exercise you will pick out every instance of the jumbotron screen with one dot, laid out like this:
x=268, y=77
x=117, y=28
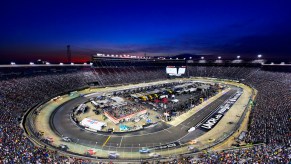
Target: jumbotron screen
x=175, y=71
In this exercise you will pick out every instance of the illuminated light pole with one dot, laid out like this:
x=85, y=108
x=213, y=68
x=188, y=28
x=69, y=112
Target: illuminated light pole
x=260, y=56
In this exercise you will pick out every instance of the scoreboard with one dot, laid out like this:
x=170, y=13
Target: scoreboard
x=175, y=71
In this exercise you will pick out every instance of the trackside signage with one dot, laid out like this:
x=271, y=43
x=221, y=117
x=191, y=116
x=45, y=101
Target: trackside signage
x=209, y=123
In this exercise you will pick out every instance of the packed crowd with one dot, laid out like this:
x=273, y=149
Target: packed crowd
x=272, y=154
x=271, y=116
x=117, y=76
x=270, y=119
x=20, y=94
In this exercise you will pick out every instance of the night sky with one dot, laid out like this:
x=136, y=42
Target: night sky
x=42, y=29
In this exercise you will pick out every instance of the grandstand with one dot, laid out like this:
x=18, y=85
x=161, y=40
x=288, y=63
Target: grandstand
x=23, y=87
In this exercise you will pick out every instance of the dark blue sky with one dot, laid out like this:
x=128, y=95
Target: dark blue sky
x=42, y=29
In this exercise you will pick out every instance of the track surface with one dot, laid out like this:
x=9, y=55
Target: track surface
x=150, y=137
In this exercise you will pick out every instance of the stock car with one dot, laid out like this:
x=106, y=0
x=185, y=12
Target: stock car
x=144, y=150
x=191, y=129
x=154, y=155
x=63, y=147
x=113, y=155
x=66, y=139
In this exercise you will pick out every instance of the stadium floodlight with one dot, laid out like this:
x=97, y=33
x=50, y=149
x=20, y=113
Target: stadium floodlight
x=177, y=58
x=72, y=64
x=219, y=57
x=85, y=63
x=12, y=63
x=31, y=63
x=190, y=57
x=184, y=58
x=47, y=63
x=61, y=63
x=260, y=55
x=171, y=58
x=238, y=57
x=282, y=63
x=272, y=63
x=202, y=57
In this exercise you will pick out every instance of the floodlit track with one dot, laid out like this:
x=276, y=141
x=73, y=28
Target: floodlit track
x=158, y=135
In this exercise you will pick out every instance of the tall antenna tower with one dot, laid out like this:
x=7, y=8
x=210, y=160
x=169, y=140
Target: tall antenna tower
x=69, y=55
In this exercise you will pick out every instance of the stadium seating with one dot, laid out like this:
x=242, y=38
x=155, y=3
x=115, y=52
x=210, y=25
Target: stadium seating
x=270, y=119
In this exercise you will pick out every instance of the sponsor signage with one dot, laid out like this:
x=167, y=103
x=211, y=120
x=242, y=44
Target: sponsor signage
x=217, y=116
x=211, y=122
x=167, y=146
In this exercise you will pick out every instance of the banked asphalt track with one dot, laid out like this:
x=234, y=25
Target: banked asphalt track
x=159, y=135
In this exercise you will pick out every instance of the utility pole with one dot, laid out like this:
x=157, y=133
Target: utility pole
x=69, y=55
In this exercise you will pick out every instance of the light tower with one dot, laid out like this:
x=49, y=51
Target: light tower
x=69, y=55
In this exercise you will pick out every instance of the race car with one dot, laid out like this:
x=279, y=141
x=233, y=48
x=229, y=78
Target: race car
x=144, y=150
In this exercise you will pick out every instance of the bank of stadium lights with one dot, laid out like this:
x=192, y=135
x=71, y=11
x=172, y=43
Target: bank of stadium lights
x=31, y=63
x=184, y=58
x=177, y=58
x=72, y=64
x=47, y=63
x=85, y=63
x=238, y=57
x=219, y=57
x=170, y=58
x=202, y=57
x=259, y=56
x=12, y=63
x=61, y=63
x=190, y=58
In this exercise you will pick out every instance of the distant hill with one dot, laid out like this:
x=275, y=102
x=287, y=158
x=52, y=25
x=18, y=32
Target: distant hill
x=187, y=56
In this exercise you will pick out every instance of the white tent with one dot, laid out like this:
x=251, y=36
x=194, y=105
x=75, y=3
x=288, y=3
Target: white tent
x=92, y=124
